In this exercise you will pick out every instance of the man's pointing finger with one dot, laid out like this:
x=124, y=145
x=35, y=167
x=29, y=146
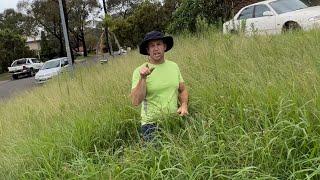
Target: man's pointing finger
x=151, y=69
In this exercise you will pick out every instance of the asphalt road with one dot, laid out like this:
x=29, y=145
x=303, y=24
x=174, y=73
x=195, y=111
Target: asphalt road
x=11, y=87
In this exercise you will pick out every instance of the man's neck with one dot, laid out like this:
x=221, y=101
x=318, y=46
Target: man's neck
x=156, y=62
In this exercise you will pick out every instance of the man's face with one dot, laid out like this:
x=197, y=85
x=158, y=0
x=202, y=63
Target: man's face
x=156, y=50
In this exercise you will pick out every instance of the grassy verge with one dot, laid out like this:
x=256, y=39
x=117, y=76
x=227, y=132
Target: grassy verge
x=254, y=113
x=5, y=76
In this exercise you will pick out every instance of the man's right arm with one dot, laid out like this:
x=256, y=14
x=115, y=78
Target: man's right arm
x=140, y=91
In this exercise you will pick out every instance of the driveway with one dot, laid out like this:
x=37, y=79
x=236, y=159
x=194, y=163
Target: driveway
x=10, y=87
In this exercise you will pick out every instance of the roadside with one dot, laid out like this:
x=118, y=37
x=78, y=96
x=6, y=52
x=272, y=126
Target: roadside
x=4, y=77
x=9, y=88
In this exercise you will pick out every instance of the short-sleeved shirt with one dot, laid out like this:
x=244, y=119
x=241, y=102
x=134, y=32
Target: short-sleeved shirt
x=162, y=90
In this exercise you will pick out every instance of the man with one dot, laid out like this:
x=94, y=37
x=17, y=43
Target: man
x=157, y=84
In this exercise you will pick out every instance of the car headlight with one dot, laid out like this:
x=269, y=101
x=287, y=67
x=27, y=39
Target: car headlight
x=315, y=18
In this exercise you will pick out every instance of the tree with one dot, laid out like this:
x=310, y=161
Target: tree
x=146, y=17
x=45, y=14
x=48, y=45
x=184, y=18
x=312, y=2
x=213, y=12
x=12, y=46
x=106, y=29
x=92, y=38
x=123, y=8
x=16, y=22
x=79, y=11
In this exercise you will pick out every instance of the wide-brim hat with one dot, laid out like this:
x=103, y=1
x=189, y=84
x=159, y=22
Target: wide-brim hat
x=155, y=35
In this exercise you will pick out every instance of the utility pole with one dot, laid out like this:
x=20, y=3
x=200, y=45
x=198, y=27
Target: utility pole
x=64, y=5
x=66, y=38
x=106, y=31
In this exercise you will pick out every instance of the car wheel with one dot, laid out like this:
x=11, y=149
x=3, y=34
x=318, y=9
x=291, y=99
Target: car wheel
x=14, y=76
x=291, y=27
x=32, y=72
x=232, y=31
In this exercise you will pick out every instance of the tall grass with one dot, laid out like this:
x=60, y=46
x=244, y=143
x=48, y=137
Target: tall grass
x=254, y=113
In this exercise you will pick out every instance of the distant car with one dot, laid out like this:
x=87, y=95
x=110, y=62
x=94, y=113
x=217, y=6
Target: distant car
x=51, y=68
x=120, y=52
x=274, y=17
x=24, y=66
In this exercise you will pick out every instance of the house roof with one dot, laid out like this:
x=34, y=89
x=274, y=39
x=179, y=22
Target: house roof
x=33, y=39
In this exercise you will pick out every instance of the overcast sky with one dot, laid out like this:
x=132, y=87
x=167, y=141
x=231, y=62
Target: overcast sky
x=5, y=4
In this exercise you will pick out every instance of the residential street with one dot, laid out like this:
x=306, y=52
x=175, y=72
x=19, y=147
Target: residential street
x=11, y=87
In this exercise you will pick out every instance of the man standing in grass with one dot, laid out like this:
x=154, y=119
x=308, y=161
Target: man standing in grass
x=157, y=84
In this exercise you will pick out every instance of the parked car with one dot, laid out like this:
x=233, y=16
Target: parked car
x=120, y=52
x=274, y=17
x=51, y=68
x=24, y=66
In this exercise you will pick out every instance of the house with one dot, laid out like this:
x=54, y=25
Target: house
x=34, y=43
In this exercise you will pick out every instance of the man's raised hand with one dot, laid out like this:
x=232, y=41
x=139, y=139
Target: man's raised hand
x=146, y=71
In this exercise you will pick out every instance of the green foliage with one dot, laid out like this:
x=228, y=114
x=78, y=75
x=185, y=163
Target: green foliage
x=92, y=38
x=147, y=17
x=12, y=46
x=13, y=25
x=184, y=18
x=173, y=16
x=191, y=12
x=78, y=15
x=202, y=24
x=123, y=8
x=312, y=2
x=16, y=22
x=254, y=114
x=108, y=22
x=49, y=46
x=46, y=14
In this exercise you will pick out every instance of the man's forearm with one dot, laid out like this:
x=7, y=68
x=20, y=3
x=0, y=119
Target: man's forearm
x=139, y=92
x=183, y=98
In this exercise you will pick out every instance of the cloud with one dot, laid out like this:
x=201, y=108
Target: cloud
x=5, y=4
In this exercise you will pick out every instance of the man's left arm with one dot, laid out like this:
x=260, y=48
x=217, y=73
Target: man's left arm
x=183, y=98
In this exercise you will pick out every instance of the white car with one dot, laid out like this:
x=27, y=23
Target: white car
x=274, y=17
x=24, y=66
x=120, y=52
x=51, y=68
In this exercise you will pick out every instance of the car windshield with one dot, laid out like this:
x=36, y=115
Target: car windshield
x=19, y=62
x=284, y=6
x=36, y=61
x=51, y=64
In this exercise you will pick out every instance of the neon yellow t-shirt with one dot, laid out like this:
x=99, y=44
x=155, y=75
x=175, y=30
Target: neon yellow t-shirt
x=162, y=90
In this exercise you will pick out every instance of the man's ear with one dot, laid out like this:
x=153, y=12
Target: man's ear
x=165, y=46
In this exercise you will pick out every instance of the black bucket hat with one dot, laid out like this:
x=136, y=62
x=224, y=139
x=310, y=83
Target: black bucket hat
x=155, y=35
